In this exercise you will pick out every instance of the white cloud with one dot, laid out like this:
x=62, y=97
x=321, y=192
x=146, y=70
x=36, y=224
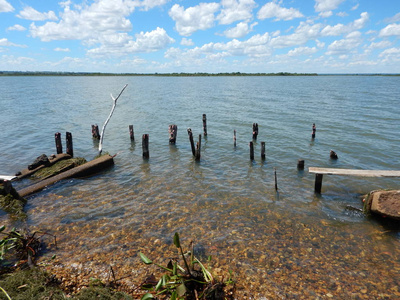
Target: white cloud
x=342, y=14
x=187, y=42
x=339, y=29
x=325, y=7
x=62, y=49
x=145, y=42
x=355, y=7
x=5, y=6
x=394, y=19
x=273, y=10
x=379, y=45
x=6, y=43
x=188, y=21
x=390, y=30
x=16, y=27
x=149, y=4
x=390, y=52
x=241, y=30
x=346, y=45
x=236, y=10
x=302, y=51
x=30, y=13
x=303, y=33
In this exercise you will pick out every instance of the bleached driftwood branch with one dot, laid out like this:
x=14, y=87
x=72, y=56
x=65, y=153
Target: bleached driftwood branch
x=108, y=119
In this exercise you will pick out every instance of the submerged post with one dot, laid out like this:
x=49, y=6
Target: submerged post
x=234, y=138
x=205, y=125
x=173, y=131
x=255, y=131
x=276, y=180
x=314, y=129
x=145, y=146
x=59, y=148
x=300, y=164
x=191, y=141
x=251, y=151
x=198, y=149
x=95, y=132
x=263, y=150
x=131, y=133
x=70, y=149
x=318, y=183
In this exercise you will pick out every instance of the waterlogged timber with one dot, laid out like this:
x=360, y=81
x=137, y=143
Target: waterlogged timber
x=290, y=243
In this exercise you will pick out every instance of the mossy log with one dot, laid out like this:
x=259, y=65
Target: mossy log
x=86, y=169
x=26, y=172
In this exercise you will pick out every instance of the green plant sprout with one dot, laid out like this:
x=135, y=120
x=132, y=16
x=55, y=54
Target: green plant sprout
x=184, y=282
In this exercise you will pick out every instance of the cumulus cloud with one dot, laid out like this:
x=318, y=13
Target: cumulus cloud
x=29, y=13
x=390, y=52
x=340, y=29
x=6, y=43
x=390, y=30
x=5, y=6
x=346, y=45
x=325, y=7
x=236, y=10
x=302, y=51
x=273, y=10
x=62, y=49
x=16, y=27
x=145, y=42
x=192, y=19
x=303, y=33
x=240, y=30
x=187, y=42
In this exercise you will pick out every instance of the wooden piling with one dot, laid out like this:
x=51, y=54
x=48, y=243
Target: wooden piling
x=131, y=133
x=198, y=149
x=191, y=141
x=234, y=138
x=276, y=180
x=173, y=131
x=318, y=183
x=70, y=149
x=300, y=164
x=251, y=151
x=255, y=131
x=95, y=132
x=263, y=150
x=145, y=146
x=314, y=129
x=59, y=148
x=205, y=125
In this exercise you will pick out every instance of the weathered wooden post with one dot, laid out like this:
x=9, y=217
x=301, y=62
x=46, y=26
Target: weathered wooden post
x=318, y=183
x=173, y=131
x=198, y=149
x=314, y=129
x=263, y=150
x=95, y=132
x=276, y=180
x=59, y=148
x=255, y=131
x=145, y=146
x=205, y=125
x=191, y=141
x=69, y=146
x=300, y=164
x=234, y=138
x=251, y=151
x=131, y=133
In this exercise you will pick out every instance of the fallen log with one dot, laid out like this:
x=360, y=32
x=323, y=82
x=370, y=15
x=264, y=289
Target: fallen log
x=384, y=203
x=86, y=169
x=26, y=172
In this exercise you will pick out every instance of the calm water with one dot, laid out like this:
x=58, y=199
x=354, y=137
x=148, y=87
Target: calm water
x=225, y=202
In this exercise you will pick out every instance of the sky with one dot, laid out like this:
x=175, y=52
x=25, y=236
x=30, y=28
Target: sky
x=163, y=36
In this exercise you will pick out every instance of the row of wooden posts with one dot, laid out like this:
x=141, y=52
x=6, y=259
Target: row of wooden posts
x=196, y=149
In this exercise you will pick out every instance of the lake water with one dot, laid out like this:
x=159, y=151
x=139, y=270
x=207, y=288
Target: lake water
x=279, y=245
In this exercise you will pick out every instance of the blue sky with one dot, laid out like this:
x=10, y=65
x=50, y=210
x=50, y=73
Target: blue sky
x=148, y=36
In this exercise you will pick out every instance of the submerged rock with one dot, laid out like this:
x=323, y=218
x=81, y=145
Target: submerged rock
x=39, y=161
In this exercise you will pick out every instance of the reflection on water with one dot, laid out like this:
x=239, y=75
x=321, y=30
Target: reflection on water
x=286, y=244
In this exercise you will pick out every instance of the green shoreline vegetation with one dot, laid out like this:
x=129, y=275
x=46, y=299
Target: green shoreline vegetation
x=182, y=74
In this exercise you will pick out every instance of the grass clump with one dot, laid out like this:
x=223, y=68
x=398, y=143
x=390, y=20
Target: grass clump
x=59, y=167
x=12, y=203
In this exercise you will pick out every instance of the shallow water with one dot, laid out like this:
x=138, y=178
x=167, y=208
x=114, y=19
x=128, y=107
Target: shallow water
x=288, y=244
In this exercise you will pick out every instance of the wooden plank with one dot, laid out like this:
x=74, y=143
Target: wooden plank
x=353, y=172
x=5, y=177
